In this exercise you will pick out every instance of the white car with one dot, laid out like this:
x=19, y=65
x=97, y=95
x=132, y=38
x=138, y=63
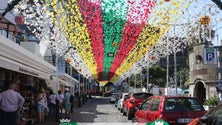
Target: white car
x=120, y=102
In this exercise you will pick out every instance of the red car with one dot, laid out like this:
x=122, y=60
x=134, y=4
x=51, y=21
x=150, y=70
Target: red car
x=132, y=101
x=176, y=110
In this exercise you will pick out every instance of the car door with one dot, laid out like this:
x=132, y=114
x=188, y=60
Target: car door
x=153, y=111
x=141, y=113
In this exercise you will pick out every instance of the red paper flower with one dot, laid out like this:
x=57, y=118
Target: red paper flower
x=19, y=20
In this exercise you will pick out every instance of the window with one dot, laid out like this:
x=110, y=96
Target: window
x=155, y=104
x=182, y=104
x=146, y=104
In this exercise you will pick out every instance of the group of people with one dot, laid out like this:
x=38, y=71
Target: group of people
x=50, y=100
x=11, y=103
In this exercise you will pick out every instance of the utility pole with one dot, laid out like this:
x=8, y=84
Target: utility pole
x=147, y=84
x=175, y=61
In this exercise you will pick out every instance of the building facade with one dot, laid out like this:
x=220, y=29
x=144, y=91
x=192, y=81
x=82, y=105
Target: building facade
x=203, y=64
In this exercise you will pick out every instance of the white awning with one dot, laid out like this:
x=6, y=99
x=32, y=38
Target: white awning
x=18, y=67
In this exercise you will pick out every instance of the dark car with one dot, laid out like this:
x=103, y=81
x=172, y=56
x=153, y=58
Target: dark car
x=133, y=100
x=117, y=99
x=113, y=97
x=176, y=110
x=212, y=117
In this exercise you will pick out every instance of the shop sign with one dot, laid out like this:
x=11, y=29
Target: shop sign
x=23, y=70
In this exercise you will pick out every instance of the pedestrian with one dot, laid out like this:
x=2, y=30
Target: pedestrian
x=17, y=89
x=60, y=97
x=67, y=102
x=41, y=105
x=52, y=103
x=10, y=103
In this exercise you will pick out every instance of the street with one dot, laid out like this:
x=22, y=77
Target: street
x=97, y=110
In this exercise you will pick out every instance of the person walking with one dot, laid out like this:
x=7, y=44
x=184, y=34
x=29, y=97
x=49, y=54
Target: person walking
x=67, y=102
x=52, y=104
x=60, y=97
x=10, y=102
x=41, y=102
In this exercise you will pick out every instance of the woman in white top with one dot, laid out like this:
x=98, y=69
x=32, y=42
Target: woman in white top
x=60, y=97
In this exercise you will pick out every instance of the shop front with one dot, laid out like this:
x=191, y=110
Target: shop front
x=28, y=71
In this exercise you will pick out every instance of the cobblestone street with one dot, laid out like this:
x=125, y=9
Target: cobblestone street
x=96, y=110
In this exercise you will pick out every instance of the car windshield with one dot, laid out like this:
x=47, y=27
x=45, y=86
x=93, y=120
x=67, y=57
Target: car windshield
x=182, y=104
x=142, y=95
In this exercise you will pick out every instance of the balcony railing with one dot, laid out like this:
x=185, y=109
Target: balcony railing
x=10, y=35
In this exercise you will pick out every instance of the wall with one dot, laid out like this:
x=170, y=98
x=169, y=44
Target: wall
x=32, y=47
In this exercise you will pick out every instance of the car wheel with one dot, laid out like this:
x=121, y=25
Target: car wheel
x=129, y=117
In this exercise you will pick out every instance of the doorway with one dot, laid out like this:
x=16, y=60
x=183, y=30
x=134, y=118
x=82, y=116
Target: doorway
x=200, y=91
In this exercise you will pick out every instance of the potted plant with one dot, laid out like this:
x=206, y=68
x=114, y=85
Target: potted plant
x=212, y=101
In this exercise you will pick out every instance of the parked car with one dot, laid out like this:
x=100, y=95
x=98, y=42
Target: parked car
x=134, y=100
x=120, y=102
x=113, y=97
x=176, y=110
x=212, y=117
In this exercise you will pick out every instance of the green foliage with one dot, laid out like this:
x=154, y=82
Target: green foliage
x=157, y=75
x=185, y=76
x=212, y=101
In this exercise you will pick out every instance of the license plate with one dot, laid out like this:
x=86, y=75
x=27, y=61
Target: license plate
x=184, y=120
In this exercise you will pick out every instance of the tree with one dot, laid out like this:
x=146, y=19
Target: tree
x=157, y=76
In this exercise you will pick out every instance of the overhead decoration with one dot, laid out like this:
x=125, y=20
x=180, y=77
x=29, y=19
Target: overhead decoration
x=205, y=20
x=150, y=34
x=107, y=39
x=19, y=20
x=68, y=61
x=137, y=16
